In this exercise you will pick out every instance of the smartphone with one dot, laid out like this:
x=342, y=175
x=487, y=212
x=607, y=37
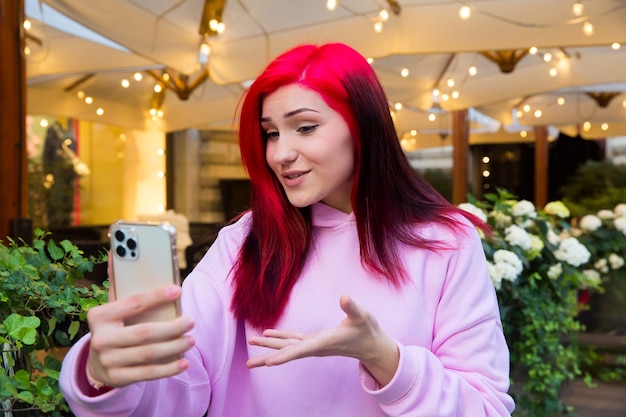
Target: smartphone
x=144, y=257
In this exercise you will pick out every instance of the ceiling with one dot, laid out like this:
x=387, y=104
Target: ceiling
x=427, y=38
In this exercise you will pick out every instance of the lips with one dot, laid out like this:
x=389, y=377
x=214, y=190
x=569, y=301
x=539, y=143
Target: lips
x=294, y=178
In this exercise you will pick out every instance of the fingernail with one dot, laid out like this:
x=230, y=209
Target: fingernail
x=173, y=291
x=190, y=341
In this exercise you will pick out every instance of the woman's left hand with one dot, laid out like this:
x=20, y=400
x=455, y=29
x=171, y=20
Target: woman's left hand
x=358, y=336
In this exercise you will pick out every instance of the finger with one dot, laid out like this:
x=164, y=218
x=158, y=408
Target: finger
x=141, y=334
x=141, y=355
x=120, y=377
x=351, y=308
x=131, y=306
x=283, y=334
x=275, y=358
x=272, y=342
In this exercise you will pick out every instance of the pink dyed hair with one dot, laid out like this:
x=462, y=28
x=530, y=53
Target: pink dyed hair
x=388, y=197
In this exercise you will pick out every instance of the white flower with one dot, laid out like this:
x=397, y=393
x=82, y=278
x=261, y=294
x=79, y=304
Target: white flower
x=616, y=261
x=591, y=278
x=572, y=251
x=590, y=222
x=557, y=208
x=501, y=220
x=495, y=274
x=602, y=265
x=606, y=214
x=620, y=209
x=555, y=271
x=476, y=211
x=536, y=244
x=517, y=236
x=524, y=208
x=507, y=264
x=620, y=224
x=552, y=237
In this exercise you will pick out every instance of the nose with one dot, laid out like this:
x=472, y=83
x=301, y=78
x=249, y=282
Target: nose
x=282, y=151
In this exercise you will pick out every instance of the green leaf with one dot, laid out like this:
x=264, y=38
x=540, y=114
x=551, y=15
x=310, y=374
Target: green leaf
x=56, y=253
x=73, y=329
x=22, y=328
x=52, y=324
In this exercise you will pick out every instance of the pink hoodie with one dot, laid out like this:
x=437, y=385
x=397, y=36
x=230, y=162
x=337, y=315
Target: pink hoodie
x=453, y=356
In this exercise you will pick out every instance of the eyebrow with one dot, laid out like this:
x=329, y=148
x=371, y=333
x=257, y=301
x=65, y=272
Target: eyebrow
x=289, y=114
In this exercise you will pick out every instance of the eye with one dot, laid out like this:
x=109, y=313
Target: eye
x=271, y=134
x=308, y=129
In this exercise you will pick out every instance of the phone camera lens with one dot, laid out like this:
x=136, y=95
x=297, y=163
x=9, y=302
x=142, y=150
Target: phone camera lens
x=121, y=251
x=131, y=243
x=119, y=236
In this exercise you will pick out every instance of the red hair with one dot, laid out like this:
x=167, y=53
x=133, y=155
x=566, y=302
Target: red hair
x=388, y=197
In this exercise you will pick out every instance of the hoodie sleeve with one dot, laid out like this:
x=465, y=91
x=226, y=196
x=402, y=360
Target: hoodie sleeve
x=189, y=393
x=466, y=372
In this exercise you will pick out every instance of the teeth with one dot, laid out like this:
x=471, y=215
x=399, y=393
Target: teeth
x=291, y=177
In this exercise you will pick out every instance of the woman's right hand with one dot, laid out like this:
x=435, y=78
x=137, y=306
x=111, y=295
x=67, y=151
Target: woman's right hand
x=120, y=355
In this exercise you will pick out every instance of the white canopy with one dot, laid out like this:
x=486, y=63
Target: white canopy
x=426, y=38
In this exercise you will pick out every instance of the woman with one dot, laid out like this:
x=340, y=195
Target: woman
x=351, y=288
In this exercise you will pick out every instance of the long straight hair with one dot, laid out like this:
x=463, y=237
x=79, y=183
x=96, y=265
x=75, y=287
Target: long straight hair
x=388, y=197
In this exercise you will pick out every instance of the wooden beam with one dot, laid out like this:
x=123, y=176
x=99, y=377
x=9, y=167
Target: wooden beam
x=460, y=152
x=12, y=117
x=541, y=166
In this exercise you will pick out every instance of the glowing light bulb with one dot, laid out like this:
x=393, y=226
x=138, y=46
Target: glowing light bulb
x=331, y=5
x=465, y=12
x=578, y=9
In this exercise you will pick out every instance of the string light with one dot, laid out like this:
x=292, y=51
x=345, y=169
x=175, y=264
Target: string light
x=588, y=28
x=615, y=46
x=605, y=126
x=472, y=70
x=533, y=50
x=137, y=76
x=560, y=101
x=125, y=83
x=100, y=111
x=378, y=26
x=578, y=9
x=331, y=5
x=465, y=12
x=404, y=72
x=88, y=100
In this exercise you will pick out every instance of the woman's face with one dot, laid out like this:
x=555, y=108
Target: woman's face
x=309, y=148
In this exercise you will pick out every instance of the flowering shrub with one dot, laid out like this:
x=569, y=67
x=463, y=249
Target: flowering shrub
x=538, y=266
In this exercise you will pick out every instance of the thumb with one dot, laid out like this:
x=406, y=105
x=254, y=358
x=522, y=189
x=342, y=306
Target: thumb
x=349, y=307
